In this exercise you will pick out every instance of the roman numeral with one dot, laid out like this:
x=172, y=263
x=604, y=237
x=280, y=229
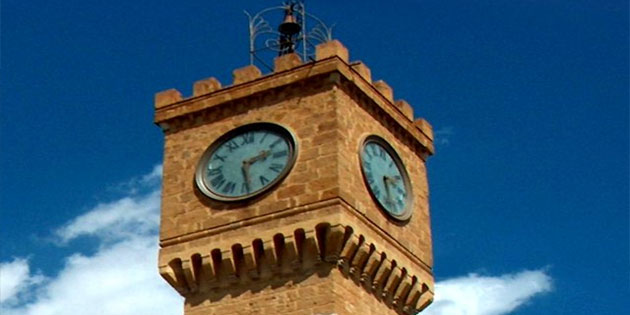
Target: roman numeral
x=377, y=192
x=390, y=203
x=218, y=157
x=229, y=188
x=374, y=149
x=276, y=167
x=370, y=177
x=367, y=164
x=273, y=144
x=401, y=192
x=215, y=171
x=247, y=138
x=231, y=145
x=263, y=180
x=218, y=181
x=263, y=137
x=381, y=153
x=280, y=154
x=244, y=188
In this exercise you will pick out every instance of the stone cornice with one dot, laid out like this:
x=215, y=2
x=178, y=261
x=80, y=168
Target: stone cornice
x=302, y=250
x=297, y=210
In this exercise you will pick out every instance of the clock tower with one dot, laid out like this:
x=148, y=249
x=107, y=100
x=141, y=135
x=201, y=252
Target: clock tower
x=301, y=191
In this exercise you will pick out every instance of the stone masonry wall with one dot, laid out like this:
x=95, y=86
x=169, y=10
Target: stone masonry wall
x=326, y=293
x=359, y=121
x=308, y=111
x=208, y=251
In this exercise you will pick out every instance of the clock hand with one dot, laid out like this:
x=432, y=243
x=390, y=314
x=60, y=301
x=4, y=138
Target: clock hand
x=386, y=179
x=245, y=169
x=262, y=155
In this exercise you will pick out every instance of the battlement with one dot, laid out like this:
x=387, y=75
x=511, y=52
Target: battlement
x=289, y=68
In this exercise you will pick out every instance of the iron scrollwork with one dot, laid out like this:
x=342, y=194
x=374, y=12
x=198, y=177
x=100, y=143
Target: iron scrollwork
x=291, y=36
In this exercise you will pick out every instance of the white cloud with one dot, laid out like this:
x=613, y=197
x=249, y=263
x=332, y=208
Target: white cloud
x=135, y=184
x=126, y=217
x=121, y=278
x=484, y=295
x=117, y=220
x=15, y=277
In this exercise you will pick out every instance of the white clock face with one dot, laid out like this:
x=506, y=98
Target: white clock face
x=246, y=162
x=386, y=177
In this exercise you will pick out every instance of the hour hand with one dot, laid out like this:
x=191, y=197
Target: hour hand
x=245, y=170
x=262, y=155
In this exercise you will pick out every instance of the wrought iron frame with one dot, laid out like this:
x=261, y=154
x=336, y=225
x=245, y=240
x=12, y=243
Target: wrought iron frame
x=307, y=39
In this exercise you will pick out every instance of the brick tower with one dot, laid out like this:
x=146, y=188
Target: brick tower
x=271, y=200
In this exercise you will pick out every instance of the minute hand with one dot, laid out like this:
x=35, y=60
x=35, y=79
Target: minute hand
x=263, y=154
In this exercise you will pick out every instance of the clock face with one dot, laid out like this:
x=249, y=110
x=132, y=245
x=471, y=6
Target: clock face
x=386, y=177
x=246, y=162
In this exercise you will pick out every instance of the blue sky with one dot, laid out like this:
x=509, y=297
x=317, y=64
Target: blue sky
x=528, y=99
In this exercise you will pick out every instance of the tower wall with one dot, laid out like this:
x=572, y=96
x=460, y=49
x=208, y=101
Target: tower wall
x=316, y=243
x=359, y=117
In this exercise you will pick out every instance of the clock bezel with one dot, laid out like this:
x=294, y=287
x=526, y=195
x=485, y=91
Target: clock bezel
x=408, y=211
x=200, y=178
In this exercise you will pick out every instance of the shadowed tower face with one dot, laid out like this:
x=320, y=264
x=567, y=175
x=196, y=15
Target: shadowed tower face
x=303, y=191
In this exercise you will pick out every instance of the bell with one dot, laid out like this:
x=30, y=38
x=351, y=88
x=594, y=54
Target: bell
x=289, y=26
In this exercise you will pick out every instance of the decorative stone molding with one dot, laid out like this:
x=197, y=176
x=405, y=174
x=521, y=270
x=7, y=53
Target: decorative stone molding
x=403, y=288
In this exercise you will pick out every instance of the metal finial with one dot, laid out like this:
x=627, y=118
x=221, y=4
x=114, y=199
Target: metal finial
x=289, y=29
x=291, y=36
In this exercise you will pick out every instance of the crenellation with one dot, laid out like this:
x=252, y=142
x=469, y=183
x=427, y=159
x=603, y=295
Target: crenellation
x=405, y=108
x=362, y=70
x=246, y=74
x=167, y=97
x=331, y=49
x=228, y=94
x=425, y=127
x=385, y=90
x=286, y=62
x=206, y=86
